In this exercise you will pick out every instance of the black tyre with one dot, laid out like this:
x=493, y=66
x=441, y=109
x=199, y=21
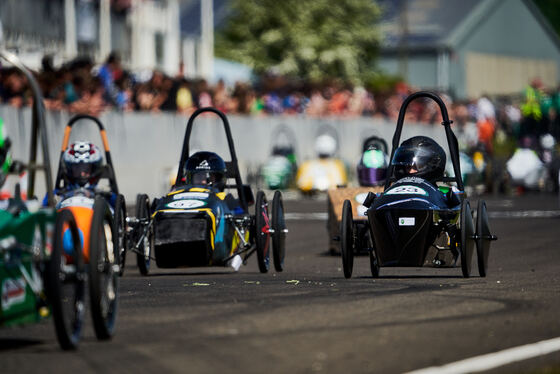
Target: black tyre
x=280, y=231
x=103, y=271
x=373, y=260
x=467, y=241
x=147, y=246
x=347, y=239
x=482, y=238
x=120, y=239
x=262, y=232
x=65, y=282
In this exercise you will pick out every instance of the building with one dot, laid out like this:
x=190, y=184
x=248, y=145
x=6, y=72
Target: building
x=146, y=33
x=468, y=47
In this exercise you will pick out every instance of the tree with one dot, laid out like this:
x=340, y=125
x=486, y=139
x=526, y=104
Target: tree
x=308, y=39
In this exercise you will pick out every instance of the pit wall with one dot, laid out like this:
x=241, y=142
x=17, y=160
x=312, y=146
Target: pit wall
x=146, y=147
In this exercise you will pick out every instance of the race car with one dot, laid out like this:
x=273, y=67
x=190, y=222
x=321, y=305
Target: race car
x=371, y=172
x=324, y=172
x=100, y=216
x=280, y=169
x=200, y=223
x=421, y=217
x=42, y=267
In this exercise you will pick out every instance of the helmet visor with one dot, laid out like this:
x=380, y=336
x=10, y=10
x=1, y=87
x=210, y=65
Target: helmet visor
x=206, y=178
x=80, y=172
x=412, y=160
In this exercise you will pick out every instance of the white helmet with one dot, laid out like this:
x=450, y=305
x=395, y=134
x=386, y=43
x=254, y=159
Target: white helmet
x=547, y=141
x=325, y=146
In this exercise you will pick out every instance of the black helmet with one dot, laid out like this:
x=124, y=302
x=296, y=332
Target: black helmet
x=421, y=157
x=206, y=168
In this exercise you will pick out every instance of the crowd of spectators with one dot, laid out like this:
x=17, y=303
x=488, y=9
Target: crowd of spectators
x=80, y=86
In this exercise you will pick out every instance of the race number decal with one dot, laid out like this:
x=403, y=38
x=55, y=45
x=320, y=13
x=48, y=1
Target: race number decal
x=406, y=221
x=186, y=204
x=76, y=201
x=406, y=190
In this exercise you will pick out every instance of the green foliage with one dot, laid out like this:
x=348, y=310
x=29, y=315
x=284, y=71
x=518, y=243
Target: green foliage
x=309, y=39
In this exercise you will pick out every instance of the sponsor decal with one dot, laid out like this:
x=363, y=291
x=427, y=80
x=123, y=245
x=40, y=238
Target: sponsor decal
x=406, y=190
x=186, y=204
x=191, y=195
x=13, y=292
x=78, y=201
x=406, y=221
x=203, y=165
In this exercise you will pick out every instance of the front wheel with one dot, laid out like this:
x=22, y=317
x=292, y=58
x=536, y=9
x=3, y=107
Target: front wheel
x=262, y=232
x=467, y=240
x=65, y=281
x=280, y=231
x=347, y=239
x=147, y=246
x=103, y=271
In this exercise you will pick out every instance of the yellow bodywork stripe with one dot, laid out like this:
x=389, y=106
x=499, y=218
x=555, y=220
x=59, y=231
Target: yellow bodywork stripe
x=175, y=192
x=198, y=189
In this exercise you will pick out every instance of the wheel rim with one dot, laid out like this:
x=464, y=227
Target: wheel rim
x=262, y=232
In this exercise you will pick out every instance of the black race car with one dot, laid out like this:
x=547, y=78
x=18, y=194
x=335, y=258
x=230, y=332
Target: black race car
x=421, y=217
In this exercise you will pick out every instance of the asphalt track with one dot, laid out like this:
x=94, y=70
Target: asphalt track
x=309, y=319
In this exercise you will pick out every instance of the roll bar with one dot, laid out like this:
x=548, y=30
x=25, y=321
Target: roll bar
x=451, y=138
x=232, y=166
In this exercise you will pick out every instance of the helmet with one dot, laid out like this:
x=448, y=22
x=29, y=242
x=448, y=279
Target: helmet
x=83, y=163
x=421, y=157
x=372, y=168
x=206, y=168
x=325, y=146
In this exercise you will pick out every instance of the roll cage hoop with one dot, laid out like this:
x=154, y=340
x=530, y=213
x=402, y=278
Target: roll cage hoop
x=231, y=166
x=107, y=172
x=451, y=138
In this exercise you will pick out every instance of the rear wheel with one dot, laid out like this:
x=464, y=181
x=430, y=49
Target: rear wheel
x=147, y=245
x=347, y=239
x=120, y=242
x=65, y=281
x=280, y=230
x=467, y=241
x=262, y=232
x=482, y=238
x=103, y=271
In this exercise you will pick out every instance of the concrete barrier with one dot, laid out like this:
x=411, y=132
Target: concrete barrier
x=146, y=146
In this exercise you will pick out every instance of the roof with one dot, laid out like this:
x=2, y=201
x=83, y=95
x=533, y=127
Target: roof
x=435, y=24
x=421, y=23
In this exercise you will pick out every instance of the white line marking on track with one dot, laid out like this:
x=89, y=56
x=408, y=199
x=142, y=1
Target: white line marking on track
x=496, y=359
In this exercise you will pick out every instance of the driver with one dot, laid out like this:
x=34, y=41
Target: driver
x=206, y=169
x=420, y=157
x=82, y=164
